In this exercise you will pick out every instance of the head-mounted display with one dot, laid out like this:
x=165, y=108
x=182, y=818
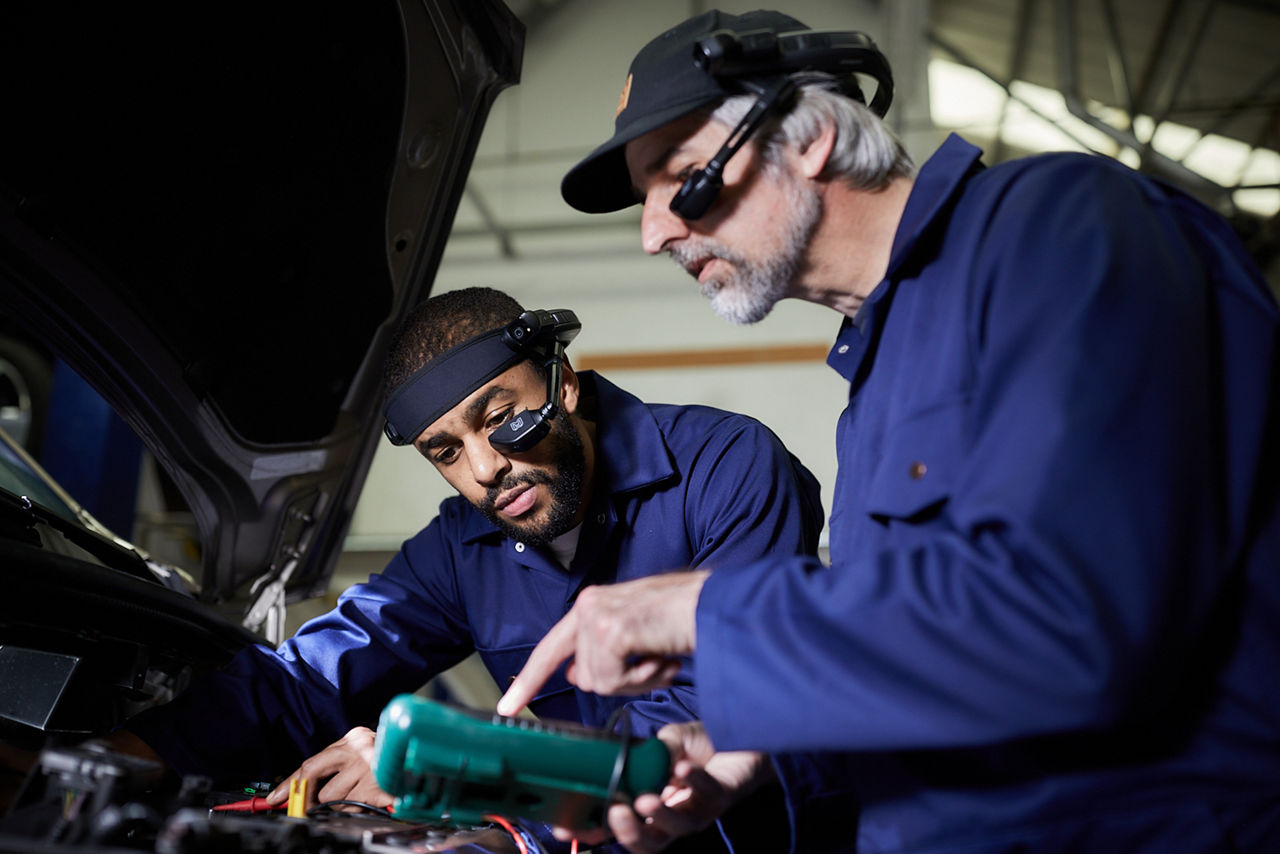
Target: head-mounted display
x=446, y=380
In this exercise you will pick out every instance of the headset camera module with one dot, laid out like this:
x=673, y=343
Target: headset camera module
x=759, y=62
x=543, y=335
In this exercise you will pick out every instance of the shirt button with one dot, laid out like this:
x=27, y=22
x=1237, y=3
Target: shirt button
x=842, y=349
x=917, y=470
x=600, y=519
x=519, y=547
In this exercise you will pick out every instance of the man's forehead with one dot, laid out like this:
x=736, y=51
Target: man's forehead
x=649, y=152
x=511, y=383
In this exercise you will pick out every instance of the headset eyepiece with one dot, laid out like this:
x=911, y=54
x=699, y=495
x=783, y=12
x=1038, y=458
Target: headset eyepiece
x=544, y=333
x=699, y=191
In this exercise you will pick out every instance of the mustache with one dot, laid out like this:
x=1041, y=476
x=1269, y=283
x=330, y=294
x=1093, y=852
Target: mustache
x=511, y=481
x=698, y=248
x=689, y=254
x=692, y=253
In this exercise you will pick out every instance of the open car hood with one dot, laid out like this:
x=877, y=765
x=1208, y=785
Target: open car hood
x=218, y=214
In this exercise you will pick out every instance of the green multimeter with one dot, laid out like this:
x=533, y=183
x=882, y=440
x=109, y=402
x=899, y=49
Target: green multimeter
x=447, y=763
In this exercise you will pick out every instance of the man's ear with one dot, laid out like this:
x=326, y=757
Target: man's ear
x=814, y=156
x=569, y=388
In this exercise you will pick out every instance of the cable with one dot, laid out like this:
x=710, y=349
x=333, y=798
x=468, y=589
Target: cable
x=497, y=819
x=328, y=806
x=619, y=764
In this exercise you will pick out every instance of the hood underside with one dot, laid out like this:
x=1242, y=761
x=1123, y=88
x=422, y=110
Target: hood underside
x=218, y=215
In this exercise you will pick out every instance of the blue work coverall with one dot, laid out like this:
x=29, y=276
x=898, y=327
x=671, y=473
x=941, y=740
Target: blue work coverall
x=676, y=486
x=1052, y=617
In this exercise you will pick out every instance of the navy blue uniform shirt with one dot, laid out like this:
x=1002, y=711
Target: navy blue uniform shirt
x=1052, y=616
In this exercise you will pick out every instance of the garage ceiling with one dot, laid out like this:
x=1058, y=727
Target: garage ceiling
x=1208, y=64
x=1131, y=69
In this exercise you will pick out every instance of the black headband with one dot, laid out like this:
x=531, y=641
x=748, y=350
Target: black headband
x=444, y=382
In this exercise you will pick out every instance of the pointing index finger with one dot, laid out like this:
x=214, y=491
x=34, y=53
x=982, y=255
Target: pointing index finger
x=555, y=647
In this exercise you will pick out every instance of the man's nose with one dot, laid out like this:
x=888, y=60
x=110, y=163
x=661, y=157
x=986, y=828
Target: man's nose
x=659, y=225
x=488, y=464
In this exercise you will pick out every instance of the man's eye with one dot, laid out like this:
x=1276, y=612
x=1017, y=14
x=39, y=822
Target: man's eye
x=685, y=173
x=445, y=456
x=499, y=418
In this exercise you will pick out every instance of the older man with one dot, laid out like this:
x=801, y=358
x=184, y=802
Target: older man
x=1052, y=618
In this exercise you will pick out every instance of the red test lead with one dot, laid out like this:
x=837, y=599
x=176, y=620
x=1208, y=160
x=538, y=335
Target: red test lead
x=254, y=804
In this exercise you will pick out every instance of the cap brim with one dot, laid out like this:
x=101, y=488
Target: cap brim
x=600, y=183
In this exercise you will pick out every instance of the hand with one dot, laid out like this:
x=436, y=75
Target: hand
x=345, y=769
x=704, y=784
x=623, y=638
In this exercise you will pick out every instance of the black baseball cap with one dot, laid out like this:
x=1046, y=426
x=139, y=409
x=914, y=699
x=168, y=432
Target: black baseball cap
x=663, y=84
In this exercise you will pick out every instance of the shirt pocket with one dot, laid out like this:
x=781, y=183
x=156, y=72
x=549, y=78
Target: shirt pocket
x=556, y=701
x=919, y=464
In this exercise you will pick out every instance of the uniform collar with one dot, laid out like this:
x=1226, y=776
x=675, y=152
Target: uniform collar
x=631, y=453
x=938, y=183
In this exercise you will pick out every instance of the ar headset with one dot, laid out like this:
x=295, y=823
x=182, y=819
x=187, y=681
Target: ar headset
x=447, y=379
x=743, y=59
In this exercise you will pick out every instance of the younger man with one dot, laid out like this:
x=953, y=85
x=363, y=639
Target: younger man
x=617, y=489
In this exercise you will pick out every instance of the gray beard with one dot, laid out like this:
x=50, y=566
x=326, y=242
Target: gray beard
x=750, y=292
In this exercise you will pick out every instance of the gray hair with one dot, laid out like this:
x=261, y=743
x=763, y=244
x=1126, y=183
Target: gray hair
x=866, y=155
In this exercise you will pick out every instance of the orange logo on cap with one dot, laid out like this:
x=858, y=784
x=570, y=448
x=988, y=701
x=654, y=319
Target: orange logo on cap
x=624, y=97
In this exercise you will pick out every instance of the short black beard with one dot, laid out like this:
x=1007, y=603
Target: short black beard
x=564, y=485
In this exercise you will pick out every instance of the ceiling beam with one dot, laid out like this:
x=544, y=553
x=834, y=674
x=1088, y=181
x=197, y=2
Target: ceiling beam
x=491, y=224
